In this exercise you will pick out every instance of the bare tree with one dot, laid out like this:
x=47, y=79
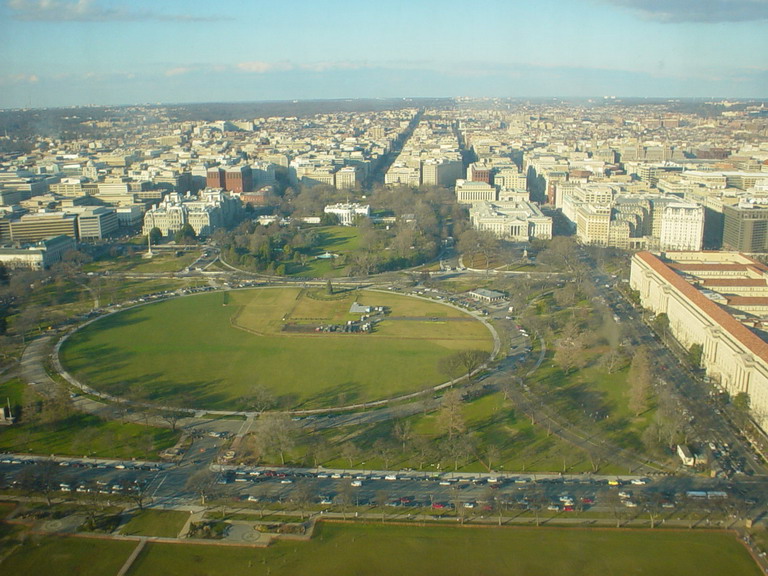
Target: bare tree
x=450, y=417
x=471, y=360
x=344, y=499
x=350, y=452
x=259, y=399
x=202, y=483
x=384, y=451
x=276, y=431
x=172, y=417
x=492, y=456
x=302, y=495
x=639, y=380
x=403, y=432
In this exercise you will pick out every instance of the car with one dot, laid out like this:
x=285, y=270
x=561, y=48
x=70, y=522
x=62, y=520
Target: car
x=553, y=507
x=639, y=481
x=469, y=505
x=356, y=483
x=390, y=477
x=568, y=508
x=630, y=504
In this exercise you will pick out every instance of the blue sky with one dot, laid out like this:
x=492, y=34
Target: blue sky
x=80, y=52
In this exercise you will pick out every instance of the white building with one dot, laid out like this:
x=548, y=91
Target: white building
x=684, y=287
x=682, y=227
x=518, y=221
x=348, y=213
x=39, y=255
x=468, y=192
x=210, y=210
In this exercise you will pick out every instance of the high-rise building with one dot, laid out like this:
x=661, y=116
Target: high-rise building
x=42, y=225
x=214, y=178
x=745, y=227
x=238, y=179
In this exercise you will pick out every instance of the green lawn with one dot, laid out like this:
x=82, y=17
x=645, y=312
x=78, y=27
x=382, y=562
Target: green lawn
x=339, y=240
x=161, y=523
x=162, y=261
x=86, y=435
x=190, y=350
x=372, y=549
x=68, y=557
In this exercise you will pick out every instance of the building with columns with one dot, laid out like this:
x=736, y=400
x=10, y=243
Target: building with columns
x=717, y=300
x=517, y=221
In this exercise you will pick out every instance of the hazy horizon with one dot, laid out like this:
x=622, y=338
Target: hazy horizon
x=60, y=53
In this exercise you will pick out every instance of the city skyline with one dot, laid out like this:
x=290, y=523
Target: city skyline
x=100, y=52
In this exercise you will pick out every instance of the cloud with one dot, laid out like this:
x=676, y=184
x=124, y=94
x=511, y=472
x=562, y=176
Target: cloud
x=261, y=67
x=704, y=11
x=181, y=70
x=88, y=11
x=258, y=67
x=16, y=79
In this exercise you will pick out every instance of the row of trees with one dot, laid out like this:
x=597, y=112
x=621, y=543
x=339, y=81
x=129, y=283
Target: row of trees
x=423, y=217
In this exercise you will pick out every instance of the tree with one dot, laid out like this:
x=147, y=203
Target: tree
x=741, y=401
x=424, y=449
x=201, y=482
x=155, y=236
x=639, y=380
x=275, y=431
x=492, y=455
x=695, y=352
x=568, y=358
x=613, y=360
x=259, y=399
x=350, y=452
x=302, y=495
x=463, y=362
x=471, y=360
x=450, y=417
x=450, y=367
x=172, y=417
x=380, y=500
x=329, y=287
x=137, y=492
x=384, y=451
x=186, y=235
x=344, y=499
x=403, y=432
x=660, y=324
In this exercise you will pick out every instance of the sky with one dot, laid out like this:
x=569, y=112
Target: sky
x=56, y=53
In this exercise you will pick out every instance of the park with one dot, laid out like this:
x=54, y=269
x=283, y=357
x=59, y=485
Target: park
x=209, y=351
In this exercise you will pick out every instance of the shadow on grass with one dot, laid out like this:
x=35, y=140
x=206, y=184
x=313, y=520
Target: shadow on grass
x=341, y=395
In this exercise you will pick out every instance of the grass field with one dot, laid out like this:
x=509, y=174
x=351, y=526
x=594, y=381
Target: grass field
x=161, y=523
x=80, y=434
x=372, y=550
x=68, y=557
x=87, y=435
x=208, y=351
x=339, y=240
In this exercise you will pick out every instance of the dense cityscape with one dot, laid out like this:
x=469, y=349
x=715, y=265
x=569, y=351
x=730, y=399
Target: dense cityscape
x=495, y=312
x=397, y=287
